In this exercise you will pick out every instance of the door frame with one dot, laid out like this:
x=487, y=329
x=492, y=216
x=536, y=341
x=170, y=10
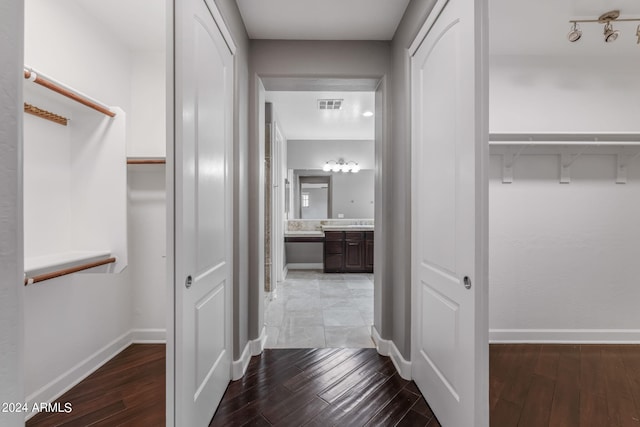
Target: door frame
x=481, y=282
x=173, y=282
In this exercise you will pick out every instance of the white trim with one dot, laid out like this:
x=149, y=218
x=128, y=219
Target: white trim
x=148, y=336
x=388, y=348
x=285, y=271
x=426, y=27
x=257, y=345
x=305, y=266
x=222, y=26
x=239, y=367
x=573, y=336
x=51, y=391
x=252, y=348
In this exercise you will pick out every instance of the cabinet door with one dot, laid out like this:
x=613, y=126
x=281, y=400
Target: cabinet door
x=368, y=255
x=354, y=255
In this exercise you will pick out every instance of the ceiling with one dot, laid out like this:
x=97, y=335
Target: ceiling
x=540, y=27
x=322, y=19
x=300, y=119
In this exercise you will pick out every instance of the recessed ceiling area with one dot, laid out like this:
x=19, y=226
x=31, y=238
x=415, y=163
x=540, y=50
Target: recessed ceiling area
x=300, y=118
x=322, y=19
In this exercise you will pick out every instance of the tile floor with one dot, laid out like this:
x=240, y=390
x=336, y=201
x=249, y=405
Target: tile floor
x=312, y=309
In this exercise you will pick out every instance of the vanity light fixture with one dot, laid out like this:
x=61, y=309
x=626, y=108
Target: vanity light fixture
x=610, y=35
x=341, y=166
x=367, y=114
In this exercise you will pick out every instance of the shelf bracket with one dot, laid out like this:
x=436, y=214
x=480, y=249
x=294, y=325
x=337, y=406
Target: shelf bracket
x=623, y=158
x=566, y=160
x=508, y=160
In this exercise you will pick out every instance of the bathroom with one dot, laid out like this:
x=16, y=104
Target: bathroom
x=319, y=275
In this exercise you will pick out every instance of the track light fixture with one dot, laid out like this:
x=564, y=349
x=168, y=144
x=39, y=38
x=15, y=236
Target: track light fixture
x=610, y=35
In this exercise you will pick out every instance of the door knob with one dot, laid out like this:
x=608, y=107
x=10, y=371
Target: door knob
x=188, y=282
x=467, y=282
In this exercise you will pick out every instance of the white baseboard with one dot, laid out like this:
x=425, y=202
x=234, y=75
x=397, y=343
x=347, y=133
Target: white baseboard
x=568, y=336
x=285, y=271
x=388, y=348
x=305, y=266
x=257, y=345
x=239, y=367
x=51, y=391
x=149, y=336
x=252, y=348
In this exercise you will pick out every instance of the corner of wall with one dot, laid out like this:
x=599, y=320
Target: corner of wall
x=388, y=348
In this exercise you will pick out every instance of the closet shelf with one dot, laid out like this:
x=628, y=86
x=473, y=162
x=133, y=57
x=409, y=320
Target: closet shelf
x=565, y=139
x=67, y=91
x=46, y=267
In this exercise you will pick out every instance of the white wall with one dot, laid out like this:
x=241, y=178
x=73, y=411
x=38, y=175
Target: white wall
x=554, y=94
x=563, y=257
x=11, y=258
x=148, y=105
x=147, y=250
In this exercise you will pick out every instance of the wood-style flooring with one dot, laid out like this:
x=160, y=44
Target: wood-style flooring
x=322, y=387
x=127, y=390
x=530, y=385
x=564, y=385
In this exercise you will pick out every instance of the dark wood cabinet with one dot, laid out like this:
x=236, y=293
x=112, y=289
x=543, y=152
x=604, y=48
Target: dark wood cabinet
x=348, y=252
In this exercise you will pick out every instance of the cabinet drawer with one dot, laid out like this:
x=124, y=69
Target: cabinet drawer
x=333, y=247
x=354, y=235
x=333, y=235
x=368, y=235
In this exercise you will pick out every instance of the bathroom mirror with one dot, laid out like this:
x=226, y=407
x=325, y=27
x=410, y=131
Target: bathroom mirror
x=329, y=195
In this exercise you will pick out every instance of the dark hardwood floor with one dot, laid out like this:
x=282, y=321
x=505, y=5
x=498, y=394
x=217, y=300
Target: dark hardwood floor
x=530, y=385
x=564, y=385
x=127, y=390
x=322, y=387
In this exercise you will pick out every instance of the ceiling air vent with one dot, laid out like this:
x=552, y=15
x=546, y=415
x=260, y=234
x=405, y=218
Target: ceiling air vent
x=329, y=104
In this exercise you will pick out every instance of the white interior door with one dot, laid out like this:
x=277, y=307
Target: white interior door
x=203, y=189
x=449, y=214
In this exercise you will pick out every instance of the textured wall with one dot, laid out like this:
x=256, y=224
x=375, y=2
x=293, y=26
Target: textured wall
x=11, y=250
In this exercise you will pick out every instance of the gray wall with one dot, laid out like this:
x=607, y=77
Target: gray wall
x=314, y=59
x=312, y=154
x=232, y=18
x=399, y=190
x=11, y=241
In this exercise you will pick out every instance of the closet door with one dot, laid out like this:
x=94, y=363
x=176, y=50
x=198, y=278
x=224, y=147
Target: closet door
x=203, y=190
x=449, y=213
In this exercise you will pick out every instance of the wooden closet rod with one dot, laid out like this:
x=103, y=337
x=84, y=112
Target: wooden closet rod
x=65, y=271
x=62, y=89
x=146, y=161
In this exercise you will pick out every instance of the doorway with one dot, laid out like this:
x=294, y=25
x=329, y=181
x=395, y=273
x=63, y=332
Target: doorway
x=326, y=142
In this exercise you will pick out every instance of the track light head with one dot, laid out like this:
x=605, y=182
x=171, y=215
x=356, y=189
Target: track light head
x=610, y=35
x=575, y=33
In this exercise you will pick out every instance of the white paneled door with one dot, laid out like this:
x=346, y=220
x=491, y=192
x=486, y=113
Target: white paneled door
x=203, y=190
x=449, y=213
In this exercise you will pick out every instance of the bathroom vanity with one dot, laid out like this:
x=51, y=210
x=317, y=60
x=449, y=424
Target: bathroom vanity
x=348, y=251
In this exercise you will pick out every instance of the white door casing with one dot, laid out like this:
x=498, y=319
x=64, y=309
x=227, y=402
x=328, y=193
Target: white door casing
x=203, y=215
x=449, y=213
